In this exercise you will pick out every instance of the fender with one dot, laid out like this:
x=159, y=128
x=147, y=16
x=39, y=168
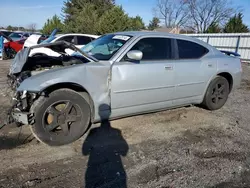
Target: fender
x=93, y=77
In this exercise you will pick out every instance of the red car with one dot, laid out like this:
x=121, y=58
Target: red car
x=12, y=47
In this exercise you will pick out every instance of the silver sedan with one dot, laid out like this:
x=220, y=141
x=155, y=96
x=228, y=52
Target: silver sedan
x=118, y=75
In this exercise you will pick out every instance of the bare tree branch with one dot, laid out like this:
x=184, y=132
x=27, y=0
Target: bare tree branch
x=173, y=12
x=32, y=27
x=205, y=12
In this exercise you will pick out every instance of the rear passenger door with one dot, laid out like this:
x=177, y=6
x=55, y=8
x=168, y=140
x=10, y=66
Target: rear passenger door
x=193, y=68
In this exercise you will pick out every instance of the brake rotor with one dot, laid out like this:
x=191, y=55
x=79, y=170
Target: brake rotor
x=50, y=117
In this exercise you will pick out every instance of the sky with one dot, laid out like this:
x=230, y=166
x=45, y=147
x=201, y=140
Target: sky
x=24, y=12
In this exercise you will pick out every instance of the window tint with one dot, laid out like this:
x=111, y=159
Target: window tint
x=81, y=40
x=68, y=39
x=190, y=50
x=154, y=48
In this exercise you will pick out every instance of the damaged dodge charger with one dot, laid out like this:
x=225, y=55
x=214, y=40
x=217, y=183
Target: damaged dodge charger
x=114, y=76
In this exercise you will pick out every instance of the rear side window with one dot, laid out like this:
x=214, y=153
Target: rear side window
x=154, y=48
x=67, y=39
x=190, y=50
x=82, y=40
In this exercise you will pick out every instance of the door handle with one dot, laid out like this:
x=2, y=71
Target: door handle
x=168, y=68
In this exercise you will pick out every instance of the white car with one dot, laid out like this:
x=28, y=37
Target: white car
x=79, y=40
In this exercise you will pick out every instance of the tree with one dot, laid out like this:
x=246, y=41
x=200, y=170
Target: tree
x=203, y=13
x=154, y=23
x=72, y=7
x=113, y=20
x=9, y=28
x=98, y=17
x=32, y=27
x=83, y=15
x=213, y=28
x=236, y=25
x=136, y=23
x=52, y=24
x=174, y=13
x=21, y=28
x=85, y=21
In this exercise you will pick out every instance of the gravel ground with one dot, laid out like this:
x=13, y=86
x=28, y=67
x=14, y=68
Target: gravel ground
x=186, y=147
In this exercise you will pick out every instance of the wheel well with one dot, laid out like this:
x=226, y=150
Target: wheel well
x=75, y=87
x=229, y=79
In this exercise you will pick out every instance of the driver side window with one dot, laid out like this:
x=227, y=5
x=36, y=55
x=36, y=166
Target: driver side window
x=154, y=48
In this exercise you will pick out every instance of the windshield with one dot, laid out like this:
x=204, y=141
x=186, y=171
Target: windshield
x=15, y=35
x=105, y=47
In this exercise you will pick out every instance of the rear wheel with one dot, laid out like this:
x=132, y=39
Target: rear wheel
x=217, y=93
x=61, y=118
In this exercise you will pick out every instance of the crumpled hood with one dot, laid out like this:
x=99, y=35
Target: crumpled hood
x=19, y=61
x=22, y=56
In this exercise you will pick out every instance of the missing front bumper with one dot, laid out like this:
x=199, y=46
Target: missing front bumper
x=19, y=112
x=21, y=117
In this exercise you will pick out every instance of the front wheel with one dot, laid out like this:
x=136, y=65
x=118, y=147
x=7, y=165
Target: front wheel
x=61, y=118
x=216, y=94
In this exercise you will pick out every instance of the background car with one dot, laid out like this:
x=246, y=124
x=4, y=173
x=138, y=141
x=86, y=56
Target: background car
x=15, y=36
x=79, y=40
x=6, y=32
x=11, y=47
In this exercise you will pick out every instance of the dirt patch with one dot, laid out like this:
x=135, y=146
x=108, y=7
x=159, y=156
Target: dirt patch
x=245, y=84
x=11, y=142
x=186, y=147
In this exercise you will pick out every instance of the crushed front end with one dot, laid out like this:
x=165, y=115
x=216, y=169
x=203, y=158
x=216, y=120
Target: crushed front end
x=19, y=111
x=21, y=102
x=23, y=67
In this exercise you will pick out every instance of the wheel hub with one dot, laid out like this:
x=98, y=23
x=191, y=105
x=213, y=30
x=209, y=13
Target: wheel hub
x=61, y=119
x=61, y=116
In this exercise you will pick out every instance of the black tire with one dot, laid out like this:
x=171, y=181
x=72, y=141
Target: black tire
x=217, y=93
x=80, y=111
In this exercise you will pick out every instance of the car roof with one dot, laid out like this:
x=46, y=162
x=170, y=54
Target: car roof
x=155, y=33
x=77, y=34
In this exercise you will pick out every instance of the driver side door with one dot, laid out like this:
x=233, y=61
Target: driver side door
x=147, y=84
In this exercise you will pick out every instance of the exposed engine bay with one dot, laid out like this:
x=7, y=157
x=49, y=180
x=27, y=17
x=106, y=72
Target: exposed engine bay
x=36, y=65
x=24, y=67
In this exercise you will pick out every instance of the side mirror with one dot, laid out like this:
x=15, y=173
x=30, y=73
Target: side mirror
x=135, y=55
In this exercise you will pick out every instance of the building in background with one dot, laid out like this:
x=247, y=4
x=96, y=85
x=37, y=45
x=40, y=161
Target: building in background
x=174, y=30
